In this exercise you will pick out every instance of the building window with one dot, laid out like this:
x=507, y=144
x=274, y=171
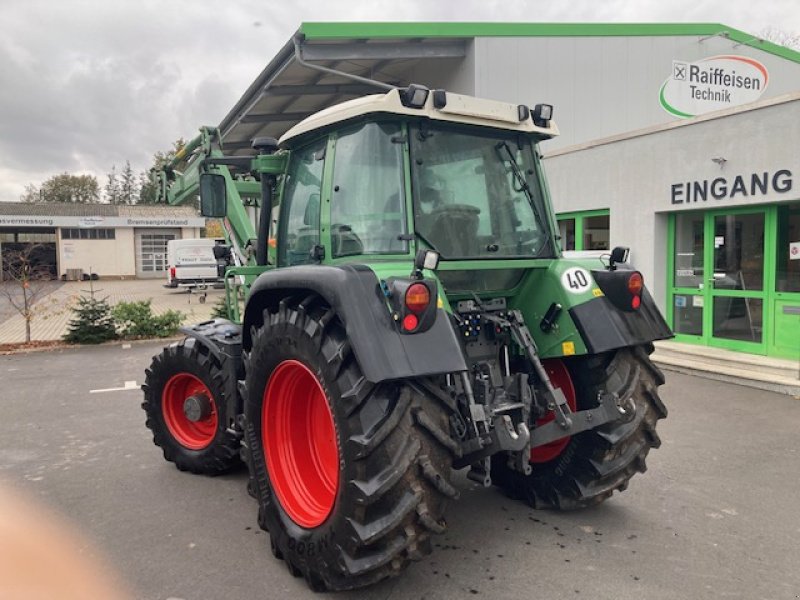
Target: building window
x=31, y=237
x=88, y=234
x=586, y=230
x=595, y=233
x=566, y=228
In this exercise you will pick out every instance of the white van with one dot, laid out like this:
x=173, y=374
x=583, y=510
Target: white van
x=191, y=263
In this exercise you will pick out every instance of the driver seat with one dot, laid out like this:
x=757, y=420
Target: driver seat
x=454, y=231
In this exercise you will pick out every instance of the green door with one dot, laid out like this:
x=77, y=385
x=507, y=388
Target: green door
x=718, y=278
x=735, y=282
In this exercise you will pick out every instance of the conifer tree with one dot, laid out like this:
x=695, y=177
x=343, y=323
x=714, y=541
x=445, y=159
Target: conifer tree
x=113, y=191
x=128, y=188
x=92, y=324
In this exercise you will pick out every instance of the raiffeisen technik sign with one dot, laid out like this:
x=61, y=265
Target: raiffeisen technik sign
x=712, y=84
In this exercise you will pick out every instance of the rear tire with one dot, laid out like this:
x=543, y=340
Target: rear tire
x=599, y=461
x=203, y=447
x=392, y=481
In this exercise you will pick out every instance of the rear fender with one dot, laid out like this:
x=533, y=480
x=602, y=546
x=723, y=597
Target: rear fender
x=608, y=322
x=354, y=292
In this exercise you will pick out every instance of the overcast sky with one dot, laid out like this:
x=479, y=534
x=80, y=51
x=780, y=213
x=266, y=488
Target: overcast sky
x=85, y=85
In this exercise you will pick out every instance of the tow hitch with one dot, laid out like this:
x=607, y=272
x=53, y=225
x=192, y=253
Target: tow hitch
x=610, y=406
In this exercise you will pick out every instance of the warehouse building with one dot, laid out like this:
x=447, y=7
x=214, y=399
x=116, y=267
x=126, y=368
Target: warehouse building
x=74, y=240
x=678, y=140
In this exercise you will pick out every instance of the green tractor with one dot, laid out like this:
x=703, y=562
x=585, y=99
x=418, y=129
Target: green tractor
x=401, y=308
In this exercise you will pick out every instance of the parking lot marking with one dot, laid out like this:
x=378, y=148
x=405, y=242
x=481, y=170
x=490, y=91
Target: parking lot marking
x=129, y=385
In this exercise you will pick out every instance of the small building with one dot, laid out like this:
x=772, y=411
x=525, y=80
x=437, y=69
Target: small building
x=108, y=240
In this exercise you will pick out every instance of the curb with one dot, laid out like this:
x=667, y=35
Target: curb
x=58, y=345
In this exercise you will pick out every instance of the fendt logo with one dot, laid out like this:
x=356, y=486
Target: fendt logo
x=711, y=84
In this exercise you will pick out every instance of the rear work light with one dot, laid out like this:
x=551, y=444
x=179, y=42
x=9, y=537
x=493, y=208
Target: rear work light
x=417, y=299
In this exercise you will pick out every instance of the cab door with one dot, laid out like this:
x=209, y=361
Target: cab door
x=299, y=221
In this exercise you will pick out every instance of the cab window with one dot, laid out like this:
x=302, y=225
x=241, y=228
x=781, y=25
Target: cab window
x=368, y=202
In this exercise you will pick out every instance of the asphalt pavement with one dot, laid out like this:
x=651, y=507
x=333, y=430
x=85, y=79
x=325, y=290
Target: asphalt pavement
x=715, y=516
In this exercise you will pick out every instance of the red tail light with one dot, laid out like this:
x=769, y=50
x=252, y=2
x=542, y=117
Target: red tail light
x=635, y=283
x=172, y=272
x=410, y=322
x=417, y=298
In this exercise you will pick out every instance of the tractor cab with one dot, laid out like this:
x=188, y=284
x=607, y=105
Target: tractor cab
x=381, y=177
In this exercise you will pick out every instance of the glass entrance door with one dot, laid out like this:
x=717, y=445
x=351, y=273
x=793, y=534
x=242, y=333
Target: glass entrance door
x=736, y=284
x=718, y=278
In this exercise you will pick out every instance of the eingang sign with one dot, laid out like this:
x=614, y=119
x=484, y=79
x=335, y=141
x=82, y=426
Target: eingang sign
x=724, y=188
x=712, y=83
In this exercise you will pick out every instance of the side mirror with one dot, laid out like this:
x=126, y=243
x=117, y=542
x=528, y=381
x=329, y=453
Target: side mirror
x=213, y=196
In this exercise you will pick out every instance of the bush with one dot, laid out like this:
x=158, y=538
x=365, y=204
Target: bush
x=92, y=324
x=136, y=320
x=220, y=310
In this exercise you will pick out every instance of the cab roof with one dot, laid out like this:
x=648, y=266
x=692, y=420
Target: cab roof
x=456, y=108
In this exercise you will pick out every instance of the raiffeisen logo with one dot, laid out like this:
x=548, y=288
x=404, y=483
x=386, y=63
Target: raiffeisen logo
x=712, y=84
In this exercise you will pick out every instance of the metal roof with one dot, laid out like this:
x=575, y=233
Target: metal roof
x=302, y=80
x=305, y=76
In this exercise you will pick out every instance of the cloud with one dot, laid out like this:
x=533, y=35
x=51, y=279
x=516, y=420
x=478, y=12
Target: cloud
x=88, y=85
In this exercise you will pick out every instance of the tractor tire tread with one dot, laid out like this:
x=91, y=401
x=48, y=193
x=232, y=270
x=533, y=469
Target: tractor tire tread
x=388, y=506
x=223, y=454
x=600, y=461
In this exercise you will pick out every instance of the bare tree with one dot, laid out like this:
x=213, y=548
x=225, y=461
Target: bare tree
x=31, y=194
x=27, y=281
x=790, y=39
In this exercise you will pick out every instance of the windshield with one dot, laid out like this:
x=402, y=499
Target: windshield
x=477, y=195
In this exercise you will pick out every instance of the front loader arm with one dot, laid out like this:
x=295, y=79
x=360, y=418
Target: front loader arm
x=178, y=182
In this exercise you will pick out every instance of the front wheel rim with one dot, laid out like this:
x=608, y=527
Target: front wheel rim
x=559, y=376
x=194, y=435
x=300, y=446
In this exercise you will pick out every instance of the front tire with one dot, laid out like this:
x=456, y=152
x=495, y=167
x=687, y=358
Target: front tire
x=599, y=461
x=201, y=446
x=350, y=486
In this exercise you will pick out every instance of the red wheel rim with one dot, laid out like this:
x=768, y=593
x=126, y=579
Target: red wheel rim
x=300, y=445
x=559, y=376
x=194, y=435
